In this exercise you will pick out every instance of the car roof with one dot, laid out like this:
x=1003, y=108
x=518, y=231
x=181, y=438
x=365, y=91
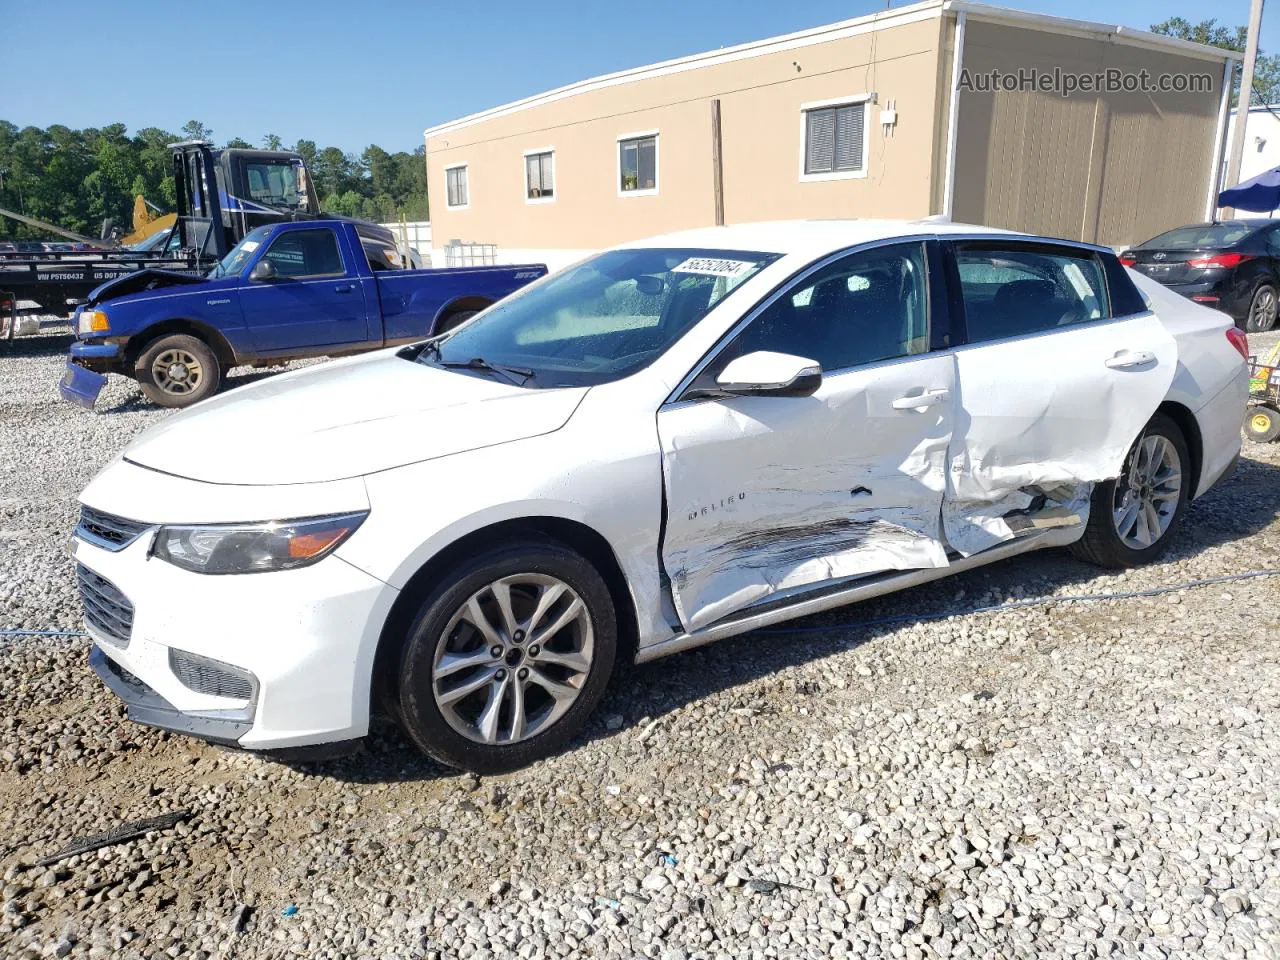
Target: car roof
x=813, y=237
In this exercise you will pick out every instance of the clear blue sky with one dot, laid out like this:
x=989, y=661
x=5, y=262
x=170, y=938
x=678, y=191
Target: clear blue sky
x=354, y=73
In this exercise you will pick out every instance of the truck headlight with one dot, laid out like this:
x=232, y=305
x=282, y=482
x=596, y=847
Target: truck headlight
x=94, y=321
x=217, y=548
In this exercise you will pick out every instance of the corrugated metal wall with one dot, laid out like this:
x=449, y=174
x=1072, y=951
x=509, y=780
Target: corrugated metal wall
x=1107, y=168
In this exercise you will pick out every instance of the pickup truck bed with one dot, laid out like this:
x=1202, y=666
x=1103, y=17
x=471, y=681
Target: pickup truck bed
x=286, y=291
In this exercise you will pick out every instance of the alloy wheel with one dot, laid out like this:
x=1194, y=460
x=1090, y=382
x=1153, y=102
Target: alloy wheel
x=1148, y=493
x=177, y=371
x=513, y=659
x=1262, y=313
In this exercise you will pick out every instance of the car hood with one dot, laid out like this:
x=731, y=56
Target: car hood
x=344, y=419
x=143, y=282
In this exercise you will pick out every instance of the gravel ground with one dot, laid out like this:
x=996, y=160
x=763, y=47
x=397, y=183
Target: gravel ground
x=1096, y=779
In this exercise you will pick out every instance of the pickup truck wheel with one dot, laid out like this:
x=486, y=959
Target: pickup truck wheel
x=455, y=320
x=507, y=658
x=178, y=370
x=1133, y=518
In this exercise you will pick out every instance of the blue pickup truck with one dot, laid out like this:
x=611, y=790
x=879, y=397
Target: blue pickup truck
x=287, y=290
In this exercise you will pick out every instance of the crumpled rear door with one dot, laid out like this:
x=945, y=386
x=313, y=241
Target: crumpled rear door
x=1052, y=412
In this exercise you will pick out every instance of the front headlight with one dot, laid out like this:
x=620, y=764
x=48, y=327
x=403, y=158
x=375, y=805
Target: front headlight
x=254, y=547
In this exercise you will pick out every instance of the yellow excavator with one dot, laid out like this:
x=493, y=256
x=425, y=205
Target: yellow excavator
x=145, y=222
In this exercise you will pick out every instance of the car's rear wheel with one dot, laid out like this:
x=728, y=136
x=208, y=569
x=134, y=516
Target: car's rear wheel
x=1262, y=424
x=1262, y=310
x=1133, y=518
x=178, y=370
x=506, y=660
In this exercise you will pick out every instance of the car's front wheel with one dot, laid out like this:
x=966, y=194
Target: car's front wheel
x=507, y=658
x=1133, y=518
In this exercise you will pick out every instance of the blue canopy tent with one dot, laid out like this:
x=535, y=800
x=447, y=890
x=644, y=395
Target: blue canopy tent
x=1261, y=194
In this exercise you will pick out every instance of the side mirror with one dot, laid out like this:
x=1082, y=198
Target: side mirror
x=768, y=374
x=263, y=270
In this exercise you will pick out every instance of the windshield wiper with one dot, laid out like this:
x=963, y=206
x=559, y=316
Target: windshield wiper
x=480, y=363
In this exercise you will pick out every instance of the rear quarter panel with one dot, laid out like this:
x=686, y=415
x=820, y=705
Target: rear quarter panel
x=1211, y=380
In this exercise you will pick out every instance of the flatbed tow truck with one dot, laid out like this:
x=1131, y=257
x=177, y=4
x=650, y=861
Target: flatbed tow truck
x=222, y=195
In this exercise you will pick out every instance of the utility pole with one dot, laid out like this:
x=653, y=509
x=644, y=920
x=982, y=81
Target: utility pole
x=1246, y=93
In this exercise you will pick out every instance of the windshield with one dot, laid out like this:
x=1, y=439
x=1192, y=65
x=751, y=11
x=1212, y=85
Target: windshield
x=276, y=183
x=239, y=255
x=1201, y=236
x=603, y=319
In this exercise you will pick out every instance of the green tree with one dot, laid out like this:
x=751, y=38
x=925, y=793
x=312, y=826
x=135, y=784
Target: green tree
x=238, y=143
x=272, y=142
x=1266, y=72
x=78, y=178
x=195, y=130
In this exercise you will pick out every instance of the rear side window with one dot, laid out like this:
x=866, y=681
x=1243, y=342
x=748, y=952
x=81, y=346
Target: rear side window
x=1010, y=290
x=1126, y=299
x=305, y=253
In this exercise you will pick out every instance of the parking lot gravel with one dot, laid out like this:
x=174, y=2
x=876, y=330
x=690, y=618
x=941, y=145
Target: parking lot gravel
x=1071, y=779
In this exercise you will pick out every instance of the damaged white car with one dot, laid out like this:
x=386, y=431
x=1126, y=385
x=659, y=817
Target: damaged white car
x=672, y=442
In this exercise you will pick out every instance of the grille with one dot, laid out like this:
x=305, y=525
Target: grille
x=105, y=608
x=107, y=531
x=211, y=677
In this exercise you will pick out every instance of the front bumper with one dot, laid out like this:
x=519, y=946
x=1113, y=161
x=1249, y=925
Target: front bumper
x=150, y=709
x=305, y=638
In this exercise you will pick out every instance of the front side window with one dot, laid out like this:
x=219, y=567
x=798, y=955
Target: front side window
x=638, y=165
x=1010, y=290
x=305, y=253
x=540, y=176
x=834, y=139
x=238, y=257
x=456, y=189
x=868, y=306
x=604, y=319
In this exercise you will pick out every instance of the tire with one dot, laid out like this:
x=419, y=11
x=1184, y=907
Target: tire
x=454, y=320
x=1103, y=543
x=1262, y=424
x=198, y=372
x=1262, y=310
x=446, y=654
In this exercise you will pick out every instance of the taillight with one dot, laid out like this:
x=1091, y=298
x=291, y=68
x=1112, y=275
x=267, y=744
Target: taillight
x=1128, y=260
x=1239, y=341
x=1227, y=260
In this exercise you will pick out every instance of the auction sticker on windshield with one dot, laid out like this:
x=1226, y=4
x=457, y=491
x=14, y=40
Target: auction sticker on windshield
x=714, y=267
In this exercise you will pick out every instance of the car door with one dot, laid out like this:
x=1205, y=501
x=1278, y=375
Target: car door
x=312, y=301
x=773, y=494
x=1056, y=376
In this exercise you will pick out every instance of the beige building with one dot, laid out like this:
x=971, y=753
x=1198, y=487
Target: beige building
x=895, y=114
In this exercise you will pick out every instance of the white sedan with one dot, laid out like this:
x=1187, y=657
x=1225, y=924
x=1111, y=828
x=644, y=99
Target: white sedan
x=672, y=442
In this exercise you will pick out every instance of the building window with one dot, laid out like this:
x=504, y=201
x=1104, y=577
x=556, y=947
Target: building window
x=539, y=175
x=457, y=191
x=638, y=164
x=834, y=140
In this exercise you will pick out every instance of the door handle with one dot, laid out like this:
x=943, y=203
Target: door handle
x=1127, y=359
x=921, y=400
x=343, y=288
